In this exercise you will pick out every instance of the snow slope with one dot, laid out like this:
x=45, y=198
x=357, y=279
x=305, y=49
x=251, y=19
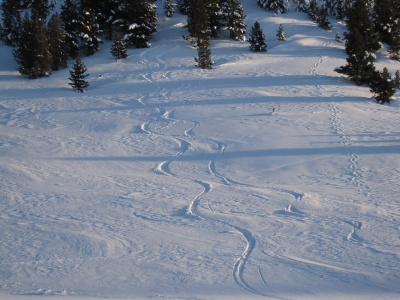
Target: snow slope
x=164, y=181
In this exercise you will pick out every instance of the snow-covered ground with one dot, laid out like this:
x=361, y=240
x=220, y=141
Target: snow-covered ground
x=165, y=181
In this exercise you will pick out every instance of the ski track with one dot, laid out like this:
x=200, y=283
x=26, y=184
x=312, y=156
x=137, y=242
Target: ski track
x=213, y=170
x=192, y=209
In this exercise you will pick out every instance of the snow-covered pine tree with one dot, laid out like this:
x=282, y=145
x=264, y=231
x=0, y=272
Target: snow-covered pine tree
x=397, y=79
x=360, y=66
x=215, y=16
x=105, y=12
x=78, y=75
x=183, y=6
x=234, y=16
x=138, y=22
x=198, y=21
x=394, y=43
x=302, y=5
x=56, y=35
x=277, y=6
x=203, y=60
x=11, y=17
x=257, y=38
x=313, y=10
x=90, y=40
x=32, y=53
x=361, y=43
x=384, y=17
x=109, y=14
x=359, y=19
x=338, y=8
x=118, y=49
x=168, y=8
x=280, y=34
x=382, y=86
x=70, y=16
x=322, y=18
x=387, y=24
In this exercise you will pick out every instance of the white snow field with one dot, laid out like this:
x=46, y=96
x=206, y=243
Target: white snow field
x=165, y=181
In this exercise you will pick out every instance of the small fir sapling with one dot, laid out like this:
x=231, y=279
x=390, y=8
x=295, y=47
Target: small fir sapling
x=281, y=34
x=78, y=75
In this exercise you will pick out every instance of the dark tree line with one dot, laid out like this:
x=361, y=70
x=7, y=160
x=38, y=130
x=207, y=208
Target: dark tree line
x=42, y=47
x=362, y=40
x=44, y=41
x=220, y=14
x=205, y=20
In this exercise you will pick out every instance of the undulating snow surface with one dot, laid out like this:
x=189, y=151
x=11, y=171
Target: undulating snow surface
x=165, y=181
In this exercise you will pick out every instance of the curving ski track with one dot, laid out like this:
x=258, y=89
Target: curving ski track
x=192, y=211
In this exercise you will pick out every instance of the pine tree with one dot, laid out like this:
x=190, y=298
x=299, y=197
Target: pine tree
x=322, y=18
x=203, y=60
x=10, y=30
x=198, y=21
x=313, y=10
x=138, y=22
x=393, y=31
x=382, y=86
x=118, y=49
x=168, y=8
x=338, y=8
x=32, y=53
x=90, y=40
x=78, y=75
x=360, y=67
x=41, y=50
x=277, y=6
x=108, y=16
x=393, y=28
x=394, y=44
x=234, y=16
x=22, y=54
x=215, y=16
x=105, y=12
x=56, y=36
x=42, y=7
x=183, y=6
x=303, y=5
x=280, y=34
x=397, y=79
x=361, y=43
x=70, y=17
x=257, y=38
x=385, y=15
x=359, y=20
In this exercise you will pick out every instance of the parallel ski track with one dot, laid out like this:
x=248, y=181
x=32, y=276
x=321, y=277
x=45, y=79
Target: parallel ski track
x=192, y=209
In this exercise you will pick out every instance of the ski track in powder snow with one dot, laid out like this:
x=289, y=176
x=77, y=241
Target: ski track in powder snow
x=163, y=168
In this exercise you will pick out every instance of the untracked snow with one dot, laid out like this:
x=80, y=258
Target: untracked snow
x=165, y=181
